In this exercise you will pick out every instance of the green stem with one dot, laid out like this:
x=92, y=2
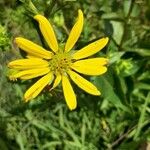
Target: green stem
x=142, y=117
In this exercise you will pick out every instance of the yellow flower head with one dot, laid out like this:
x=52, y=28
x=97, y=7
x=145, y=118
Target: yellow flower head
x=59, y=65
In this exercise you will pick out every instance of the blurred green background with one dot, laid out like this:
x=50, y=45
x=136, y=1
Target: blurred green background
x=117, y=120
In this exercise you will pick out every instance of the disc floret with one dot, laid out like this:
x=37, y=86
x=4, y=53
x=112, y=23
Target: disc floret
x=60, y=62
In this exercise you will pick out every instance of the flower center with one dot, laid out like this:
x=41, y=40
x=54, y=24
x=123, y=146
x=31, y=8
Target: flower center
x=60, y=62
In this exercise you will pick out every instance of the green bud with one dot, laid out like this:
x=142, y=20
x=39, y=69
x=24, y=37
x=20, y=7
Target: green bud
x=126, y=67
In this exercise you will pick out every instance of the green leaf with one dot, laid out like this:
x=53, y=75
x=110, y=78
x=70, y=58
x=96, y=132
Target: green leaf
x=144, y=75
x=141, y=51
x=142, y=86
x=111, y=16
x=20, y=141
x=115, y=56
x=126, y=7
x=117, y=31
x=108, y=93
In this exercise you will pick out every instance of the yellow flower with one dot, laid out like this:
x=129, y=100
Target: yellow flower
x=59, y=65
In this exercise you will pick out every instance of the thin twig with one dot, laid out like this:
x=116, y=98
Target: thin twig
x=122, y=137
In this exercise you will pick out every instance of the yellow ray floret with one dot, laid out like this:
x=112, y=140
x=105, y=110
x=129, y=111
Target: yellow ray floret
x=100, y=61
x=36, y=88
x=32, y=48
x=75, y=32
x=91, y=48
x=31, y=73
x=68, y=93
x=28, y=63
x=90, y=70
x=56, y=81
x=47, y=32
x=93, y=66
x=83, y=83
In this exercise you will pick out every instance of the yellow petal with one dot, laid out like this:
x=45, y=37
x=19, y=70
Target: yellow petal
x=69, y=93
x=29, y=74
x=90, y=70
x=91, y=48
x=93, y=61
x=75, y=32
x=32, y=48
x=47, y=31
x=36, y=88
x=56, y=81
x=93, y=66
x=28, y=63
x=83, y=83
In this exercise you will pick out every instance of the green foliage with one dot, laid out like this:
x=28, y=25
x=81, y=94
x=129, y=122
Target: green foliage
x=119, y=118
x=4, y=40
